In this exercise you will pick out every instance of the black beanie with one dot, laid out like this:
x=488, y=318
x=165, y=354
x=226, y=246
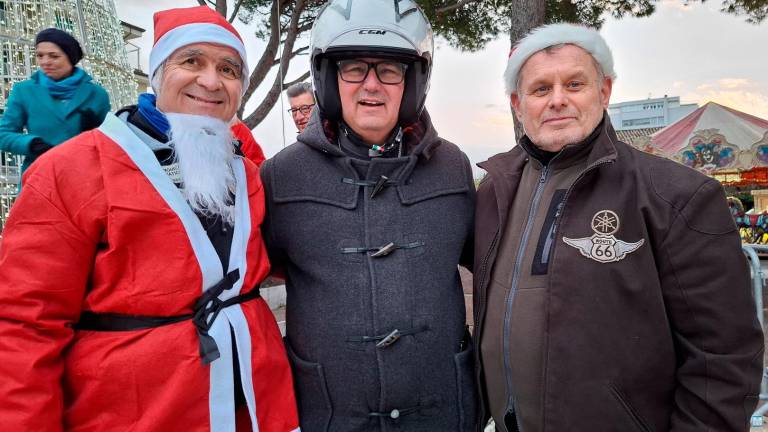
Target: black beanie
x=63, y=40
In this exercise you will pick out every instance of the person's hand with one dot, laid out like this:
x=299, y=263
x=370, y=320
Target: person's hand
x=38, y=147
x=88, y=120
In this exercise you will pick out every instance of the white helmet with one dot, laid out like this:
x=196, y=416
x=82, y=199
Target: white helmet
x=395, y=29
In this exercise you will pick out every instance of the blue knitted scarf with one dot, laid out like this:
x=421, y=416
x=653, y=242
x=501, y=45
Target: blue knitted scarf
x=65, y=88
x=148, y=110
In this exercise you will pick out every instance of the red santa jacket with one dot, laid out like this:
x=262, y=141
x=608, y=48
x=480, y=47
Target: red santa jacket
x=100, y=227
x=248, y=145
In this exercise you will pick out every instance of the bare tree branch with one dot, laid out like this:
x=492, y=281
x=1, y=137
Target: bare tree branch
x=293, y=54
x=458, y=5
x=302, y=78
x=277, y=87
x=265, y=62
x=235, y=11
x=306, y=27
x=202, y=2
x=221, y=7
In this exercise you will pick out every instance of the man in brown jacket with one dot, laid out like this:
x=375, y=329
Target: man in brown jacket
x=611, y=293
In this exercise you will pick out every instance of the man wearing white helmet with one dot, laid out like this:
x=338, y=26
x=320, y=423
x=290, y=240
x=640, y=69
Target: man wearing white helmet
x=369, y=214
x=611, y=290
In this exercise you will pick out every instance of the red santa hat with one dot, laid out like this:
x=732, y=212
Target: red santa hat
x=175, y=28
x=555, y=34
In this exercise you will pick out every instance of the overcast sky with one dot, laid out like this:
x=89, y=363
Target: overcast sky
x=695, y=52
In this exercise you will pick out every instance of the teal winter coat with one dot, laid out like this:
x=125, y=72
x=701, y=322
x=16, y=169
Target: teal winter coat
x=31, y=112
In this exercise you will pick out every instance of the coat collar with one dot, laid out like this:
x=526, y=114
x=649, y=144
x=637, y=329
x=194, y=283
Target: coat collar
x=420, y=139
x=601, y=146
x=82, y=95
x=328, y=175
x=506, y=168
x=62, y=111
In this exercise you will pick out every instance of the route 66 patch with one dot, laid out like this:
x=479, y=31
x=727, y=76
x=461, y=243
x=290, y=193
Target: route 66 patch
x=603, y=246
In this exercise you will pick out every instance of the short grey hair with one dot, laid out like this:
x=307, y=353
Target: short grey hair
x=299, y=89
x=157, y=78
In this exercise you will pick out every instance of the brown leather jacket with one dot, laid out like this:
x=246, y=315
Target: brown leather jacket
x=665, y=339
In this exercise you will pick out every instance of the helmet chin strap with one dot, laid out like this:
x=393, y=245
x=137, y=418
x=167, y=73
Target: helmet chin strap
x=395, y=140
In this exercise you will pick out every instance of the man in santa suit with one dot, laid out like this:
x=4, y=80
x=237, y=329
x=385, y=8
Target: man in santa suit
x=131, y=262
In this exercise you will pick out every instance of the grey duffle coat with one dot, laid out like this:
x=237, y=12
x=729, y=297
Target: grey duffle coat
x=375, y=334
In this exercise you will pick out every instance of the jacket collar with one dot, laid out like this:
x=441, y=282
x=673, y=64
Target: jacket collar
x=59, y=110
x=135, y=118
x=601, y=145
x=83, y=94
x=354, y=145
x=604, y=144
x=506, y=168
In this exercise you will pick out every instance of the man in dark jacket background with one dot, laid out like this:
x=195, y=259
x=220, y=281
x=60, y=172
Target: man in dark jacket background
x=611, y=293
x=368, y=215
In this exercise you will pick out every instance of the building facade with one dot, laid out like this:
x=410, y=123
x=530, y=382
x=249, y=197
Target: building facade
x=648, y=113
x=94, y=23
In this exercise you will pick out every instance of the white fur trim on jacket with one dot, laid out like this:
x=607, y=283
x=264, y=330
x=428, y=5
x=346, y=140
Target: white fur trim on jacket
x=555, y=34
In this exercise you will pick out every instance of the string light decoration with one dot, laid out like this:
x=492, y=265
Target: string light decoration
x=95, y=24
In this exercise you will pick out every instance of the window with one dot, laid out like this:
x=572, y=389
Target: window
x=636, y=122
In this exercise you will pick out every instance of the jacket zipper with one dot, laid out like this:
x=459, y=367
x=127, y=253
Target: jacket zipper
x=550, y=241
x=511, y=402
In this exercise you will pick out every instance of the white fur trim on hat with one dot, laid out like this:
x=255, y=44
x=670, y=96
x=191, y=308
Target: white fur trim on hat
x=196, y=33
x=555, y=34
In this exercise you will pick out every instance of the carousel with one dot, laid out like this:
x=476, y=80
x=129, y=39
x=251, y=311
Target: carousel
x=730, y=146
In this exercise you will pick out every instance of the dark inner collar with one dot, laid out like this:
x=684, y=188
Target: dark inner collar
x=353, y=144
x=138, y=120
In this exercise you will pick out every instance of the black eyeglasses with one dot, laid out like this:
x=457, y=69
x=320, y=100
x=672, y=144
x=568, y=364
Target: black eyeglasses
x=356, y=71
x=304, y=109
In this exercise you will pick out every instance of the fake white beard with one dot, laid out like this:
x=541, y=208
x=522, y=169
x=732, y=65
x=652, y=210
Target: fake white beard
x=203, y=149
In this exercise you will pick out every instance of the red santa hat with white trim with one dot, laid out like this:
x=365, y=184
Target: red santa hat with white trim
x=556, y=34
x=176, y=28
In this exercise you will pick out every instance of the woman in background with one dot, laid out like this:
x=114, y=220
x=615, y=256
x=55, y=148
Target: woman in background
x=58, y=102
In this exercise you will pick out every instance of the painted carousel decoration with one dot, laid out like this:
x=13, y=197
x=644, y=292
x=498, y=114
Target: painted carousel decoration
x=719, y=141
x=94, y=23
x=760, y=151
x=708, y=151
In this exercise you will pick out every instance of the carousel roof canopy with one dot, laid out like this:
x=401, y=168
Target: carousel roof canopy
x=741, y=129
x=715, y=138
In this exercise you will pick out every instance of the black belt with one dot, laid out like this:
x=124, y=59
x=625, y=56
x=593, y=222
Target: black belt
x=206, y=309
